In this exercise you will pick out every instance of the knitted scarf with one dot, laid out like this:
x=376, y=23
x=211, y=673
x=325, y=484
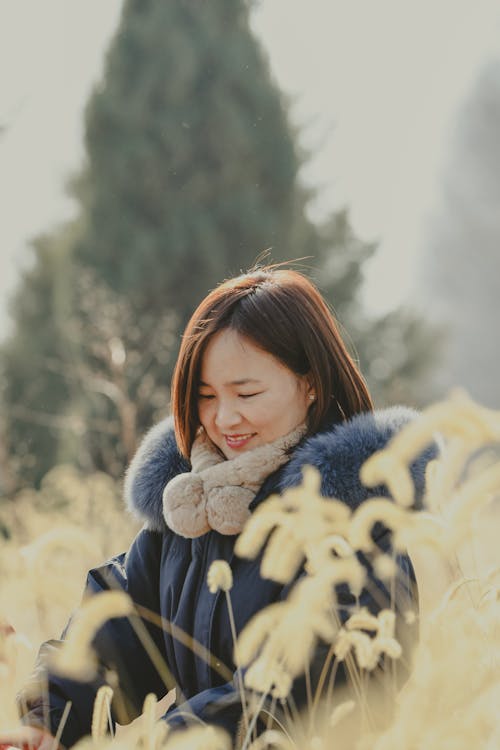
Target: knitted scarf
x=216, y=493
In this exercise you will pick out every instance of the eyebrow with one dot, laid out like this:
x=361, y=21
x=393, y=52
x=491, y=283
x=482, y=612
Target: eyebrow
x=243, y=381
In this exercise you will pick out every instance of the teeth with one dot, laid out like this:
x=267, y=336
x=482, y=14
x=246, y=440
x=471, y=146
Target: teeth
x=238, y=437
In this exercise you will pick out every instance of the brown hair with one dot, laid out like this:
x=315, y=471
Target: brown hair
x=283, y=313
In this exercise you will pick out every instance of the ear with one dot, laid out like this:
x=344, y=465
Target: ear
x=310, y=390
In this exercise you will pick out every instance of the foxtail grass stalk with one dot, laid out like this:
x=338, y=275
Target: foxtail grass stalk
x=253, y=722
x=62, y=724
x=294, y=711
x=353, y=673
x=100, y=713
x=331, y=683
x=307, y=673
x=149, y=711
x=287, y=710
x=186, y=639
x=241, y=686
x=322, y=678
x=271, y=712
x=154, y=654
x=393, y=606
x=110, y=719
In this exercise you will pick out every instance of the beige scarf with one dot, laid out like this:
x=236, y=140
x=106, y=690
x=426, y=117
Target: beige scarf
x=216, y=493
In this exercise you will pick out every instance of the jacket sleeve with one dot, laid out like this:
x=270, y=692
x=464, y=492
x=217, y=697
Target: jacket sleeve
x=122, y=657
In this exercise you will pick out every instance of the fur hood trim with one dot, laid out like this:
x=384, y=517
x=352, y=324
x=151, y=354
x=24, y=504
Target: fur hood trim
x=338, y=453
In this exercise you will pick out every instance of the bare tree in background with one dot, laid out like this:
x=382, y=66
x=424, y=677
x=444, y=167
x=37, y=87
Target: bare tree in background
x=108, y=368
x=111, y=368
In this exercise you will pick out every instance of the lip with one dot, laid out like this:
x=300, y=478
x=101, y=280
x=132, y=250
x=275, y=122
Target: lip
x=238, y=441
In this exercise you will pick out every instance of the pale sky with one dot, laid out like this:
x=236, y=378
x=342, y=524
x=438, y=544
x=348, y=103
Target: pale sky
x=375, y=85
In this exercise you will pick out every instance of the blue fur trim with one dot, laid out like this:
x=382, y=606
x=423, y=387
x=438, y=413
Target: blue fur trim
x=156, y=462
x=338, y=453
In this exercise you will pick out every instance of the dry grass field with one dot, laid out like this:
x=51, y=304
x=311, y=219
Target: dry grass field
x=451, y=699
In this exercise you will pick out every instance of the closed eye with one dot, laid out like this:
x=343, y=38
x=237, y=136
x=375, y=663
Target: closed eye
x=240, y=395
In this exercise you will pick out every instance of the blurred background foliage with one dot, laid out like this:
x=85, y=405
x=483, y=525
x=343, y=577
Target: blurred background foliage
x=192, y=169
x=459, y=272
x=61, y=529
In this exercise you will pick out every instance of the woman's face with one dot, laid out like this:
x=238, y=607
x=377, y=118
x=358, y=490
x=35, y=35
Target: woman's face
x=247, y=397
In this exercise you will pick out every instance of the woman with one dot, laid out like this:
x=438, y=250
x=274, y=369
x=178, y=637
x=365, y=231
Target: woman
x=263, y=386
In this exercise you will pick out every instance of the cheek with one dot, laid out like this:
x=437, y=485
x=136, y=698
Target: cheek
x=281, y=404
x=291, y=406
x=257, y=414
x=204, y=411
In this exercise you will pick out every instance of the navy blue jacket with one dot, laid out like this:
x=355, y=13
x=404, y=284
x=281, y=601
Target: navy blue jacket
x=165, y=574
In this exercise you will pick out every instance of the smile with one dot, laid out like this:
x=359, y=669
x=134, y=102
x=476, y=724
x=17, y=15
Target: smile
x=238, y=441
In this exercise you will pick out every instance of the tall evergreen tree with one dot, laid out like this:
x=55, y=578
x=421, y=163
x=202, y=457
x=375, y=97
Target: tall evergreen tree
x=191, y=170
x=192, y=167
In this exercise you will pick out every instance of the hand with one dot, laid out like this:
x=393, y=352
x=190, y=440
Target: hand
x=27, y=738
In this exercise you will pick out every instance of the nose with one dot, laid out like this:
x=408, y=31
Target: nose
x=227, y=415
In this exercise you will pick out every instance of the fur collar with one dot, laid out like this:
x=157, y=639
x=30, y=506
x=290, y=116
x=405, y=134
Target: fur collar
x=338, y=453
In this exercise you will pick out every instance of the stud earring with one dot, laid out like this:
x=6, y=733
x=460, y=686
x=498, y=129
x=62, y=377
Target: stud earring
x=312, y=397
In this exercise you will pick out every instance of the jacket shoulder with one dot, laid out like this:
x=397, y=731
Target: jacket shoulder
x=339, y=453
x=156, y=462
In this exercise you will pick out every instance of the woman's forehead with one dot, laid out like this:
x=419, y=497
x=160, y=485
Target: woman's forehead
x=235, y=360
